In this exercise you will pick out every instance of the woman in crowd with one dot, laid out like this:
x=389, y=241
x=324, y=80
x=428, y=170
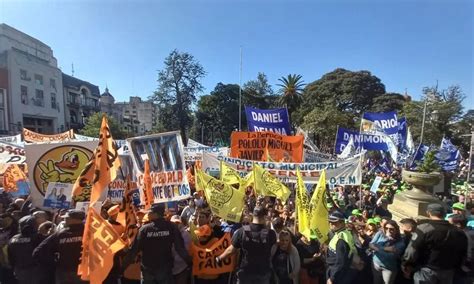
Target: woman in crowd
x=387, y=246
x=285, y=260
x=312, y=266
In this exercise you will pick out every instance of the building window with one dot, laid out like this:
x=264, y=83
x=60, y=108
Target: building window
x=73, y=116
x=53, y=101
x=23, y=74
x=24, y=95
x=39, y=98
x=52, y=84
x=39, y=80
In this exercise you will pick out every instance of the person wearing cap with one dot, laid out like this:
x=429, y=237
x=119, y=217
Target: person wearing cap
x=205, y=240
x=64, y=247
x=20, y=249
x=341, y=250
x=180, y=267
x=435, y=250
x=255, y=242
x=155, y=240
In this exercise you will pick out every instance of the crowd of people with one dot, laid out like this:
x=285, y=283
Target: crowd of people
x=365, y=244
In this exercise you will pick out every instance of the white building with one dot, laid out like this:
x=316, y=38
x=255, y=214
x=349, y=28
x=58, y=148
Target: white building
x=31, y=90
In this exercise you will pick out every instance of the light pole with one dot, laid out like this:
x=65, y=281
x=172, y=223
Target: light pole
x=434, y=116
x=202, y=133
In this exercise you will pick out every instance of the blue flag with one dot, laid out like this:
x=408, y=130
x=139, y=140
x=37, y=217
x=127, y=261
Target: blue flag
x=448, y=156
x=419, y=155
x=402, y=133
x=274, y=120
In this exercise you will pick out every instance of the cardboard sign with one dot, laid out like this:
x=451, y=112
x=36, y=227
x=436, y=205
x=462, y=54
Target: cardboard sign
x=204, y=259
x=55, y=162
x=376, y=184
x=31, y=136
x=347, y=172
x=262, y=146
x=167, y=166
x=58, y=195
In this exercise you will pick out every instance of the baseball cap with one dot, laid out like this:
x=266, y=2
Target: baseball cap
x=259, y=211
x=158, y=208
x=459, y=206
x=356, y=212
x=203, y=231
x=113, y=210
x=75, y=214
x=336, y=217
x=371, y=221
x=175, y=219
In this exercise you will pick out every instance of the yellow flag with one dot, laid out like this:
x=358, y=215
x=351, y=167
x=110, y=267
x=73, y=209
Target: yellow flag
x=228, y=174
x=268, y=185
x=267, y=156
x=225, y=201
x=247, y=181
x=201, y=179
x=99, y=244
x=101, y=169
x=319, y=213
x=302, y=206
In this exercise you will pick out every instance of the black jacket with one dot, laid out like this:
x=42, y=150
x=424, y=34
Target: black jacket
x=338, y=261
x=154, y=241
x=437, y=245
x=64, y=247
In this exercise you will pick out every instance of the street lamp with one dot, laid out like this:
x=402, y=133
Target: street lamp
x=434, y=116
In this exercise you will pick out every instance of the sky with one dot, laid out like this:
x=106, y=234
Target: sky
x=122, y=44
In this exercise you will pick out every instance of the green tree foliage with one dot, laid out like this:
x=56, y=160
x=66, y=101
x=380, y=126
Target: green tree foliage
x=93, y=123
x=178, y=85
x=218, y=114
x=323, y=121
x=352, y=92
x=388, y=102
x=291, y=90
x=258, y=93
x=443, y=113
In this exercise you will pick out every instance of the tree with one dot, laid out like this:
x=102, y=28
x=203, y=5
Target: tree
x=218, y=113
x=93, y=123
x=290, y=93
x=388, y=102
x=352, y=92
x=258, y=93
x=178, y=85
x=443, y=112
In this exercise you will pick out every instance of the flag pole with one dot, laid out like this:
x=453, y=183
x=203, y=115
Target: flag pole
x=240, y=91
x=335, y=140
x=361, y=146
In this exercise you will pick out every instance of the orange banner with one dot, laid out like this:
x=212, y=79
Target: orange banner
x=99, y=244
x=127, y=216
x=101, y=169
x=31, y=136
x=261, y=146
x=148, y=197
x=11, y=176
x=204, y=262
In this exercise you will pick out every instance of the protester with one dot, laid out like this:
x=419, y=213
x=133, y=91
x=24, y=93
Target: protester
x=312, y=265
x=205, y=240
x=189, y=210
x=436, y=249
x=180, y=267
x=285, y=260
x=388, y=246
x=64, y=247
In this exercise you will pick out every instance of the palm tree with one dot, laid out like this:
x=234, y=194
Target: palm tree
x=291, y=91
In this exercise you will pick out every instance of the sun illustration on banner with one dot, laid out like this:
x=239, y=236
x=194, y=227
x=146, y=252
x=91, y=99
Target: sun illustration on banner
x=60, y=164
x=221, y=194
x=271, y=183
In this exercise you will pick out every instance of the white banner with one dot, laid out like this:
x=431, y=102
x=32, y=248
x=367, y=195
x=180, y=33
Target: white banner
x=346, y=172
x=193, y=154
x=11, y=154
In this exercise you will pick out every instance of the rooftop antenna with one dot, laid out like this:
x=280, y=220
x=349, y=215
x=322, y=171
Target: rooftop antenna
x=72, y=65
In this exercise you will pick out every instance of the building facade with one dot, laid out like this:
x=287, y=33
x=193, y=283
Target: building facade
x=82, y=99
x=31, y=89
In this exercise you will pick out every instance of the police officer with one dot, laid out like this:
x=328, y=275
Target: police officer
x=64, y=247
x=435, y=250
x=154, y=241
x=341, y=250
x=255, y=242
x=20, y=248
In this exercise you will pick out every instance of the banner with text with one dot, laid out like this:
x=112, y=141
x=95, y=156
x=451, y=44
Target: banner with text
x=386, y=122
x=167, y=166
x=273, y=120
x=204, y=259
x=193, y=154
x=258, y=146
x=366, y=140
x=347, y=172
x=31, y=136
x=11, y=154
